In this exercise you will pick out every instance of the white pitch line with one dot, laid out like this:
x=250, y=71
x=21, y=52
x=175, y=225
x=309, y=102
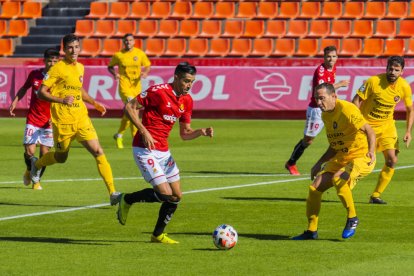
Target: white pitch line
x=188, y=192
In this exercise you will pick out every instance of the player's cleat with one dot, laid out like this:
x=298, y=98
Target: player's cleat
x=293, y=170
x=350, y=227
x=26, y=178
x=123, y=209
x=376, y=200
x=119, y=141
x=36, y=186
x=114, y=198
x=163, y=239
x=307, y=235
x=34, y=172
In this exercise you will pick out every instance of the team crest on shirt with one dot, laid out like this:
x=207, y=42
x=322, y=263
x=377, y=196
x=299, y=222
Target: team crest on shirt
x=135, y=58
x=181, y=108
x=396, y=99
x=81, y=79
x=335, y=125
x=143, y=94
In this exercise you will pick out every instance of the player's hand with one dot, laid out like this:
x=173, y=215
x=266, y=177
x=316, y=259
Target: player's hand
x=100, y=107
x=144, y=75
x=371, y=156
x=344, y=83
x=68, y=100
x=11, y=109
x=407, y=139
x=208, y=132
x=148, y=140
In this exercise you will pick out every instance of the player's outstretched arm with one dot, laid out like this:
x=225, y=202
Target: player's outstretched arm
x=187, y=133
x=410, y=120
x=98, y=106
x=342, y=83
x=357, y=100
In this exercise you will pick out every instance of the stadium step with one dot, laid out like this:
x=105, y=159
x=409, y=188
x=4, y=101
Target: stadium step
x=46, y=39
x=55, y=30
x=65, y=11
x=61, y=20
x=70, y=4
x=32, y=50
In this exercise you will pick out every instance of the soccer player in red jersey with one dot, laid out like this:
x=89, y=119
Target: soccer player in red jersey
x=164, y=105
x=38, y=128
x=324, y=73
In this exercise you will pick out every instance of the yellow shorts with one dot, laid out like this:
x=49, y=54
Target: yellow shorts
x=129, y=89
x=387, y=137
x=356, y=168
x=64, y=134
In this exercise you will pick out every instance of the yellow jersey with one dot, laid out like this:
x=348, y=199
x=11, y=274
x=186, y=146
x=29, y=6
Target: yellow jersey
x=129, y=67
x=343, y=130
x=380, y=98
x=66, y=79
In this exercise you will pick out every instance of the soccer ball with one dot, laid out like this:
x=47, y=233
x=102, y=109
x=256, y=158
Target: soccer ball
x=225, y=237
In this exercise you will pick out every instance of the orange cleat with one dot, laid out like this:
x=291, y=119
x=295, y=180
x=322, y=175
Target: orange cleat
x=293, y=170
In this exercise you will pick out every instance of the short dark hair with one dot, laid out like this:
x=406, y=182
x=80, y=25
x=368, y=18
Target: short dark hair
x=330, y=89
x=51, y=52
x=69, y=38
x=185, y=68
x=329, y=49
x=396, y=60
x=126, y=35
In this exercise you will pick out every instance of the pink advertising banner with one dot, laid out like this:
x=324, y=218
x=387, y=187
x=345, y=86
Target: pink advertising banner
x=215, y=88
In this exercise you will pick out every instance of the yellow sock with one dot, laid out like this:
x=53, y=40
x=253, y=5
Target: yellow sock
x=133, y=130
x=344, y=193
x=383, y=180
x=313, y=206
x=46, y=160
x=106, y=172
x=124, y=125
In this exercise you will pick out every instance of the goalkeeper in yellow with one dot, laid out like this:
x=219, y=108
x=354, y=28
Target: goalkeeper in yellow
x=350, y=156
x=129, y=60
x=377, y=99
x=69, y=115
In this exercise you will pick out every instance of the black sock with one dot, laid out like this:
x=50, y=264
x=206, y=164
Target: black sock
x=297, y=153
x=166, y=212
x=42, y=171
x=146, y=195
x=27, y=161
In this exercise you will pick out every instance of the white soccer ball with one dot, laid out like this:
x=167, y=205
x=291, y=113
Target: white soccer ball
x=225, y=237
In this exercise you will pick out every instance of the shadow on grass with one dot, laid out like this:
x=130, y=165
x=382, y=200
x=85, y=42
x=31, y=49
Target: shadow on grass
x=235, y=173
x=274, y=199
x=48, y=205
x=56, y=240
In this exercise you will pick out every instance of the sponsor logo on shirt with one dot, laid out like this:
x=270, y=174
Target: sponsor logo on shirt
x=396, y=99
x=170, y=118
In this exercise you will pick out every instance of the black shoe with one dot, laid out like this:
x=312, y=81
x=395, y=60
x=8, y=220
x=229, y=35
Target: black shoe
x=307, y=235
x=376, y=200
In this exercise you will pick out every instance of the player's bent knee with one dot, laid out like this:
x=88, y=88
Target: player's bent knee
x=61, y=157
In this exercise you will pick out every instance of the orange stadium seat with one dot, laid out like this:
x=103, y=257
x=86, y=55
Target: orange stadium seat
x=319, y=28
x=104, y=28
x=275, y=28
x=363, y=28
x=175, y=47
x=189, y=28
x=18, y=28
x=140, y=10
x=353, y=10
x=410, y=48
x=284, y=47
x=233, y=28
x=160, y=10
x=373, y=47
x=331, y=10
x=411, y=11
x=297, y=28
x=210, y=28
x=262, y=47
x=31, y=10
x=85, y=27
x=6, y=47
x=406, y=28
x=350, y=47
x=397, y=10
x=182, y=10
x=219, y=47
x=3, y=27
x=328, y=42
x=375, y=10
x=197, y=47
x=203, y=10
x=224, y=10
x=240, y=47
x=310, y=10
x=394, y=47
x=288, y=10
x=147, y=28
x=10, y=10
x=98, y=10
x=267, y=10
x=307, y=47
x=91, y=47
x=254, y=28
x=111, y=46
x=340, y=28
x=168, y=28
x=386, y=28
x=155, y=47
x=125, y=27
x=247, y=10
x=119, y=10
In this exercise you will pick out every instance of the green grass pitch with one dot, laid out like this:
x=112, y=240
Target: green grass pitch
x=238, y=177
